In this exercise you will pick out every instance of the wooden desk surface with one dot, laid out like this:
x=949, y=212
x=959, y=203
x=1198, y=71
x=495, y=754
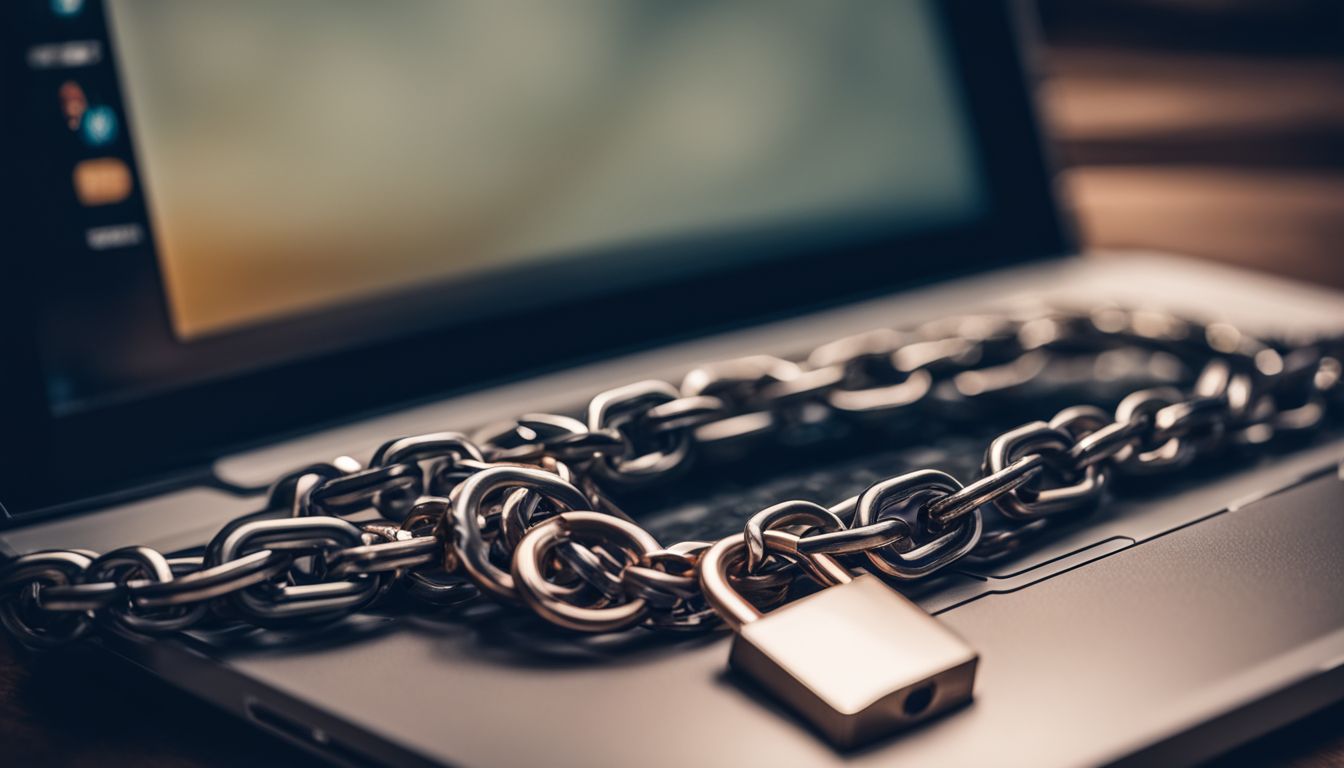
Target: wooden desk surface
x=1216, y=158
x=1235, y=159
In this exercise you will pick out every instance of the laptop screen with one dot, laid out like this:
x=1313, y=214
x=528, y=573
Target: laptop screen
x=248, y=182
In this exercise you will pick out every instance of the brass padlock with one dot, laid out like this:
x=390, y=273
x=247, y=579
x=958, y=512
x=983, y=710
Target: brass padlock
x=856, y=659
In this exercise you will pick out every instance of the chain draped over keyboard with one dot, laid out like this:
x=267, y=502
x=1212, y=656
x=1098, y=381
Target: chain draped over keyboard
x=524, y=512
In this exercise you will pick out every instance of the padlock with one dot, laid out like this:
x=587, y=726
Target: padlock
x=856, y=659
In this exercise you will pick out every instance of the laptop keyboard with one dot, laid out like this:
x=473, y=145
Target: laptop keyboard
x=709, y=505
x=722, y=503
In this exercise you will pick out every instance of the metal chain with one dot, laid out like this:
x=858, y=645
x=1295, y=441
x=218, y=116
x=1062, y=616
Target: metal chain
x=523, y=512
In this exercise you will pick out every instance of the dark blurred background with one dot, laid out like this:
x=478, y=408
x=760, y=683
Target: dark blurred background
x=1213, y=128
x=1208, y=127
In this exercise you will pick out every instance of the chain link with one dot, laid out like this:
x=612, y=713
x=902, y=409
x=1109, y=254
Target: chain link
x=522, y=511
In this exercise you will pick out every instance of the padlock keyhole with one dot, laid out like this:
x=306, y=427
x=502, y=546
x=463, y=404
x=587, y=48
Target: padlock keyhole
x=919, y=699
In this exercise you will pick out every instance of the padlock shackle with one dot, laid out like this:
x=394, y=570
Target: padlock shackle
x=718, y=560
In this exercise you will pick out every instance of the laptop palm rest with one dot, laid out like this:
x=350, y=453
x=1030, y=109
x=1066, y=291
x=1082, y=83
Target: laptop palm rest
x=1087, y=662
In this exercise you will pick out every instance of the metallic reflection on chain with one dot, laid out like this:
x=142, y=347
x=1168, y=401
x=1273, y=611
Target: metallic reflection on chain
x=521, y=511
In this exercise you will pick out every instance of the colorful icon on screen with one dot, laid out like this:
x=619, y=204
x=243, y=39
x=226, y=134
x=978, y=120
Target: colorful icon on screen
x=67, y=9
x=102, y=181
x=99, y=126
x=73, y=103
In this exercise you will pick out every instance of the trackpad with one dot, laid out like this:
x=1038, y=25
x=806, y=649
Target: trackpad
x=1184, y=625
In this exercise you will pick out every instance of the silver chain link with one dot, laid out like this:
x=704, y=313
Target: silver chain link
x=524, y=512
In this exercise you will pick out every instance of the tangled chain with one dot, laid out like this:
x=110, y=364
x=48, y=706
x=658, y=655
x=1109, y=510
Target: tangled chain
x=523, y=513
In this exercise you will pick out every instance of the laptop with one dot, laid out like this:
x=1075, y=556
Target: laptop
x=255, y=237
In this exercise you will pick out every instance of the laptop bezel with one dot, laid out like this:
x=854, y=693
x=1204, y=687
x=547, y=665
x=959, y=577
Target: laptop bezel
x=168, y=438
